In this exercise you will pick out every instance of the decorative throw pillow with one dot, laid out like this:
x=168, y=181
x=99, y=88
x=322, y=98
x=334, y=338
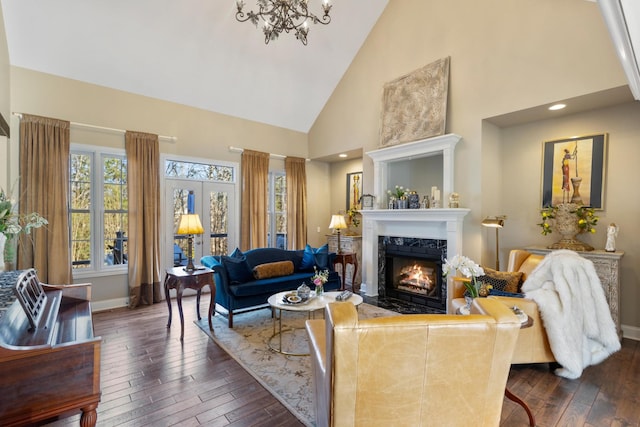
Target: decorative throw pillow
x=237, y=267
x=273, y=269
x=502, y=280
x=315, y=257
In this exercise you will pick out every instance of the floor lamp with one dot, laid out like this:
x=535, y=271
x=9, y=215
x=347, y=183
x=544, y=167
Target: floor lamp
x=190, y=224
x=496, y=222
x=338, y=223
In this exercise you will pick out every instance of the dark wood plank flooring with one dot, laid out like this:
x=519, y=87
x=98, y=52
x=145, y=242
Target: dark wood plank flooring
x=150, y=378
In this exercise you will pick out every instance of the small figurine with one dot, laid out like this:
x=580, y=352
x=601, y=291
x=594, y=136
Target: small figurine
x=612, y=233
x=454, y=200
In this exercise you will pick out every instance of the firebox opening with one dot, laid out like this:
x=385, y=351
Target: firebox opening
x=414, y=279
x=416, y=276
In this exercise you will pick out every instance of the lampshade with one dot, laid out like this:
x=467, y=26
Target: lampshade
x=190, y=224
x=494, y=222
x=337, y=222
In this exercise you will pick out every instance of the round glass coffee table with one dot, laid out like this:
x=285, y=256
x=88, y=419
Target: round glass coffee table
x=315, y=303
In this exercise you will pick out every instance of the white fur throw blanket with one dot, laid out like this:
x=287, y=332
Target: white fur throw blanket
x=574, y=311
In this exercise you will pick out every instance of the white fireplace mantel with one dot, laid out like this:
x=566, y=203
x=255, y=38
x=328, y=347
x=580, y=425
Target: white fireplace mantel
x=442, y=224
x=443, y=145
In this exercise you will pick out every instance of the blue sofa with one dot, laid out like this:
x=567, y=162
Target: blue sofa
x=238, y=289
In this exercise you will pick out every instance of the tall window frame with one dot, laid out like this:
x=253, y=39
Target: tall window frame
x=107, y=253
x=277, y=210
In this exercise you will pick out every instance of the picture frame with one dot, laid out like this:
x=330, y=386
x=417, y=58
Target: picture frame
x=573, y=171
x=354, y=190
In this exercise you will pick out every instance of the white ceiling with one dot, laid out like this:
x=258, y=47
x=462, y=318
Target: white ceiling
x=191, y=52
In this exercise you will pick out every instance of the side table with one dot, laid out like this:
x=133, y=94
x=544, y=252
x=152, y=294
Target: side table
x=179, y=279
x=343, y=259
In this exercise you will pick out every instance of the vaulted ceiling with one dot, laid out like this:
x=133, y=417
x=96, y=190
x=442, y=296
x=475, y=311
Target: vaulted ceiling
x=191, y=52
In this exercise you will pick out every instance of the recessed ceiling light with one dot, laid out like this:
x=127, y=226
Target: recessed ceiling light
x=555, y=107
x=343, y=155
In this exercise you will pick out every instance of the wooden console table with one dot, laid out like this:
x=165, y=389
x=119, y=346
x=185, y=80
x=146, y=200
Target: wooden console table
x=179, y=279
x=607, y=265
x=349, y=245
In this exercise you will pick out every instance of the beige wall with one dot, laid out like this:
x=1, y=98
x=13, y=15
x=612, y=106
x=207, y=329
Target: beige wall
x=199, y=134
x=520, y=161
x=505, y=56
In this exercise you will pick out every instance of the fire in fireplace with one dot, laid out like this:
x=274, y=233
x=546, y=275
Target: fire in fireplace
x=418, y=279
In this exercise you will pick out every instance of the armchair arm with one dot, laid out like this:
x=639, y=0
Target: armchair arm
x=533, y=344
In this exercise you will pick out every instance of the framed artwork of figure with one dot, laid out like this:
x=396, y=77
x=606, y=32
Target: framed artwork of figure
x=573, y=171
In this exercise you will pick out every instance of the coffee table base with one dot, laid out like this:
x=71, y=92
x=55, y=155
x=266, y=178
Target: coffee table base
x=277, y=319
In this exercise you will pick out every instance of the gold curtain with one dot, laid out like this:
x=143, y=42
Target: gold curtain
x=255, y=176
x=295, y=168
x=44, y=188
x=143, y=173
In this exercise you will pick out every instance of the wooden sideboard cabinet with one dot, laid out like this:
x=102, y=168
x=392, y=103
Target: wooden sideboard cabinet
x=349, y=244
x=607, y=266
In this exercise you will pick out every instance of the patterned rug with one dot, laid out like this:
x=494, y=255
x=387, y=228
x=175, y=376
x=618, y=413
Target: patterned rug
x=288, y=378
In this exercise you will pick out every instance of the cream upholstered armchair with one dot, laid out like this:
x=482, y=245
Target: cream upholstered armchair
x=533, y=344
x=411, y=370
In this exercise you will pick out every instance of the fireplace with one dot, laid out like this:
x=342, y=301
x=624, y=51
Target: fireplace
x=410, y=269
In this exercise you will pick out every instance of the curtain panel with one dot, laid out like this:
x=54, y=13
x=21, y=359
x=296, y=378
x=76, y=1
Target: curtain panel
x=44, y=188
x=255, y=181
x=295, y=168
x=143, y=173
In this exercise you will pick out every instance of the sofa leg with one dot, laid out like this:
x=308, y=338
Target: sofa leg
x=230, y=318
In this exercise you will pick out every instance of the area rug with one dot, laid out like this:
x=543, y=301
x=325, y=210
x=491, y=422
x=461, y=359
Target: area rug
x=288, y=378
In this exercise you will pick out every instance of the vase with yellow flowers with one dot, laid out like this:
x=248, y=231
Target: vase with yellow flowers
x=569, y=220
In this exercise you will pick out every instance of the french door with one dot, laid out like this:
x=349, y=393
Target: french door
x=215, y=203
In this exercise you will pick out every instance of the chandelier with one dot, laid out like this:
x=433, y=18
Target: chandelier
x=283, y=15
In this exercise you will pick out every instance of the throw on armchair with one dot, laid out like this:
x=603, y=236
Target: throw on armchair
x=533, y=344
x=411, y=369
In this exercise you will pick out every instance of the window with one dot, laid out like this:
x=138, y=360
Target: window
x=99, y=210
x=277, y=215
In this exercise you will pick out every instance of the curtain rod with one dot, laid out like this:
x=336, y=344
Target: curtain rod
x=272, y=156
x=108, y=129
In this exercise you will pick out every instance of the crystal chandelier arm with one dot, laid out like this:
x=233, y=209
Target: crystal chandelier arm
x=283, y=15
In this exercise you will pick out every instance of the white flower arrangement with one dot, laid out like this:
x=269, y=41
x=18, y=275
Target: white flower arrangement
x=467, y=268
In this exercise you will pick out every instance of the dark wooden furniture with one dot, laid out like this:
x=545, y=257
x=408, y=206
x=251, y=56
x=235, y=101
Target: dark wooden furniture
x=53, y=368
x=343, y=259
x=179, y=279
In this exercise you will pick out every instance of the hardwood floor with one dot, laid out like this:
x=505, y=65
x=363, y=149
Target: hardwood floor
x=150, y=378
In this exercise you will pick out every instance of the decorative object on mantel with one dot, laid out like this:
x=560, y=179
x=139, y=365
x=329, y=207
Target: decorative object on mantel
x=278, y=16
x=424, y=204
x=398, y=197
x=12, y=225
x=454, y=200
x=569, y=219
x=414, y=200
x=366, y=201
x=435, y=197
x=612, y=233
x=414, y=106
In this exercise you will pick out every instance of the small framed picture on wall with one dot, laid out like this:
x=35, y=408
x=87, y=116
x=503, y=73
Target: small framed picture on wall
x=573, y=171
x=354, y=190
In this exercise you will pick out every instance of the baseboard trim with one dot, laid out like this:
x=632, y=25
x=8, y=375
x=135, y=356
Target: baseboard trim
x=109, y=304
x=631, y=332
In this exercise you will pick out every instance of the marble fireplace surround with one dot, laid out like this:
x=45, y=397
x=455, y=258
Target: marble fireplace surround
x=444, y=223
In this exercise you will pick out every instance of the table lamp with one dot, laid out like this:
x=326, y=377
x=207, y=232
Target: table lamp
x=190, y=225
x=337, y=223
x=496, y=222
